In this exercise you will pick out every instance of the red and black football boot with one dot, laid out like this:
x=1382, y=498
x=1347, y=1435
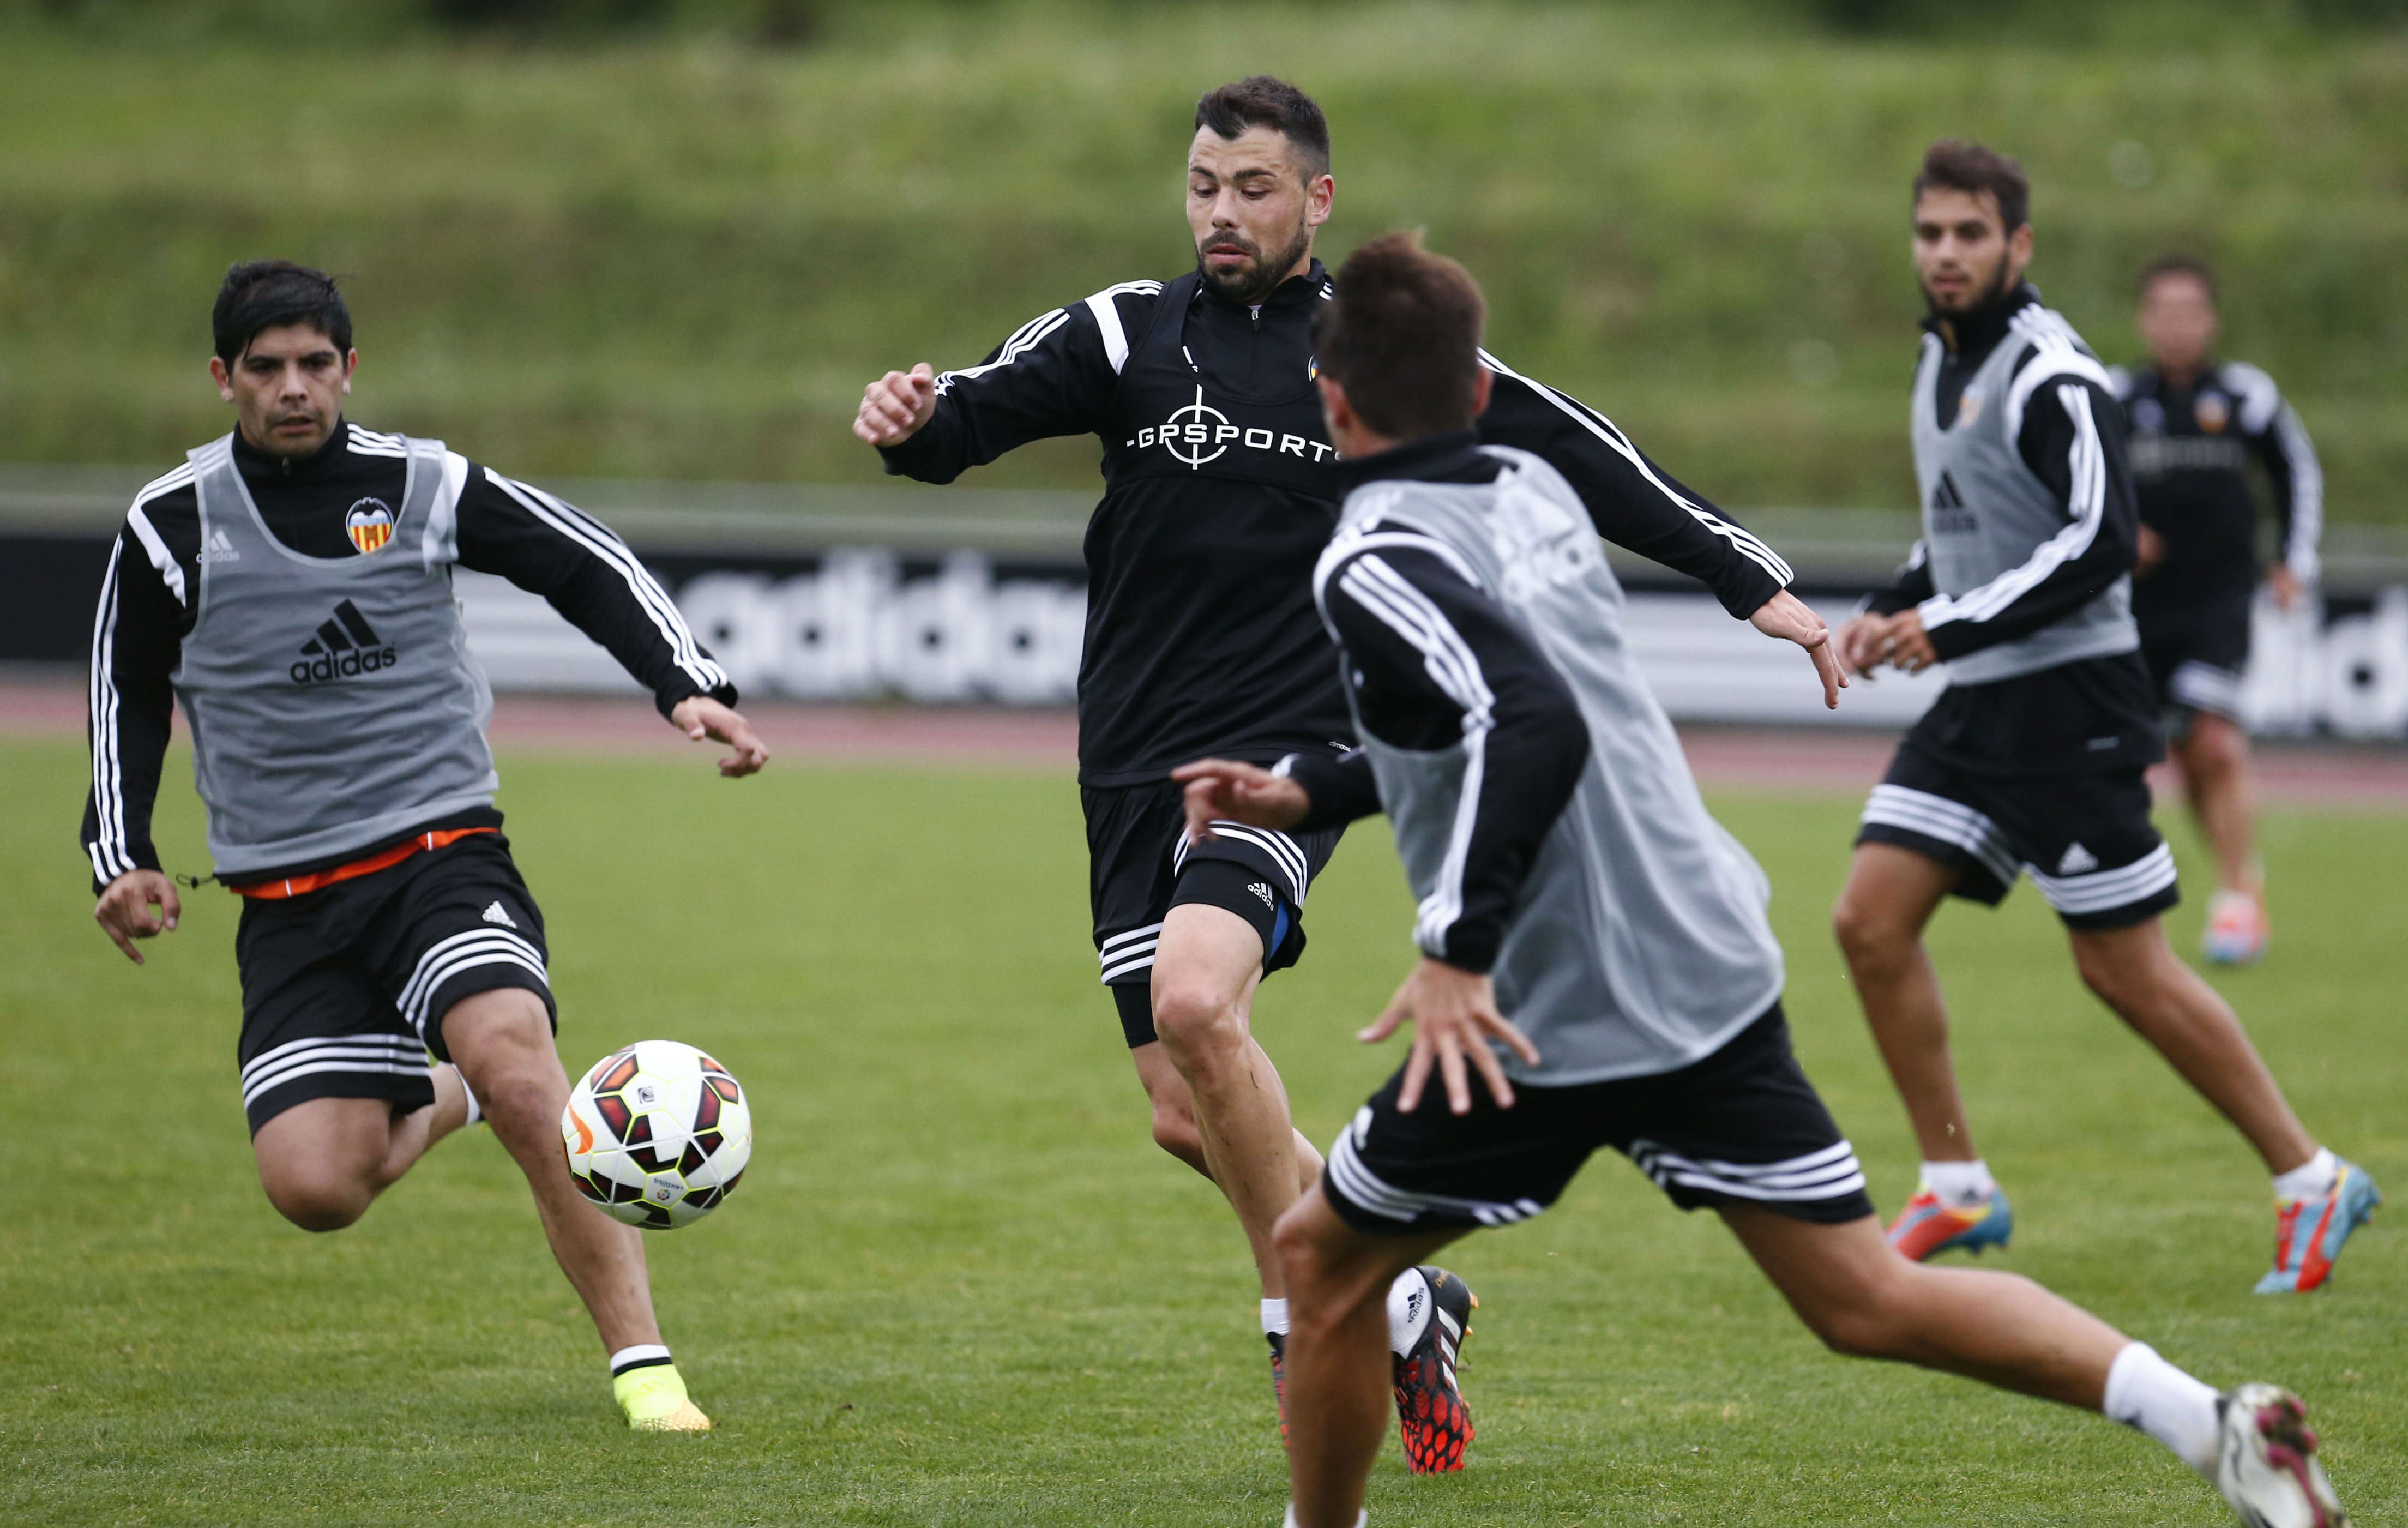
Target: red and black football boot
x=1432, y=1416
x=1279, y=1378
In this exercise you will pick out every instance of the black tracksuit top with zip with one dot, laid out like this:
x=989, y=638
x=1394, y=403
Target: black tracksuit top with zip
x=1219, y=490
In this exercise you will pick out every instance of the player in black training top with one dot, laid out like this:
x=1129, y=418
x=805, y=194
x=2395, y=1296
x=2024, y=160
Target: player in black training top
x=2196, y=425
x=1202, y=639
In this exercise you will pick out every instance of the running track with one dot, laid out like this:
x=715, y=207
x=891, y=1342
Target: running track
x=1837, y=761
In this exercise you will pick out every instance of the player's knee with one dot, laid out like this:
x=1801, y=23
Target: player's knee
x=317, y=1200
x=2112, y=976
x=1869, y=934
x=1196, y=1017
x=1175, y=1131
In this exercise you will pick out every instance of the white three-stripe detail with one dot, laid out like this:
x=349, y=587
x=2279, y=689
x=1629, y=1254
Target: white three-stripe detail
x=603, y=543
x=1604, y=429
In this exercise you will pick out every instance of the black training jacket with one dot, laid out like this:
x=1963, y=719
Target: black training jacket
x=1220, y=491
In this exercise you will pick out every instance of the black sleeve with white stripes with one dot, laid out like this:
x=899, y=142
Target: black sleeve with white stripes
x=1056, y=375
x=1635, y=504
x=1912, y=586
x=549, y=547
x=1434, y=663
x=2062, y=441
x=138, y=637
x=2282, y=443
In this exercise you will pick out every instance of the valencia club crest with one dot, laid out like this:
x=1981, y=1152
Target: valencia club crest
x=370, y=524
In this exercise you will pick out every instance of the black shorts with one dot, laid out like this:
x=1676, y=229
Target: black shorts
x=1139, y=865
x=344, y=990
x=2196, y=661
x=2087, y=840
x=1743, y=1126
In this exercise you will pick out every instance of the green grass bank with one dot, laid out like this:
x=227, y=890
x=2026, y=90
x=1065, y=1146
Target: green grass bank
x=681, y=257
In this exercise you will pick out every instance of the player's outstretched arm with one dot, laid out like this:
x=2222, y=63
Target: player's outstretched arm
x=139, y=904
x=699, y=716
x=897, y=406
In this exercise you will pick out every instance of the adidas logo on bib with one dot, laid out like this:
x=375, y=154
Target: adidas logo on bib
x=345, y=647
x=2077, y=862
x=219, y=549
x=496, y=913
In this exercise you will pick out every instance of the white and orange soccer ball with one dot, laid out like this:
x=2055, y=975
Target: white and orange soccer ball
x=657, y=1134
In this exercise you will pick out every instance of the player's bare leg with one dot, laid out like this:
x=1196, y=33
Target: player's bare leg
x=2135, y=972
x=1862, y=1299
x=323, y=1162
x=1890, y=897
x=1174, y=1116
x=502, y=1042
x=2213, y=756
x=1205, y=972
x=1338, y=1354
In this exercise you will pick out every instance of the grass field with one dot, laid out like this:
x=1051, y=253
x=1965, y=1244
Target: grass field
x=959, y=1287
x=682, y=258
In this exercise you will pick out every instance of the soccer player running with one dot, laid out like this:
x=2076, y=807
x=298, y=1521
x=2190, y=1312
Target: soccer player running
x=292, y=586
x=2033, y=760
x=2197, y=424
x=1219, y=490
x=1597, y=965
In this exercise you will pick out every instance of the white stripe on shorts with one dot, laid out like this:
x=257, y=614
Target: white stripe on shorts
x=1284, y=853
x=2105, y=890
x=1363, y=1188
x=447, y=957
x=2203, y=686
x=1830, y=1173
x=1950, y=822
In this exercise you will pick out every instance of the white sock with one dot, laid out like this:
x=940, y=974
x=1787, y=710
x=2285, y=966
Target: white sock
x=476, y=1111
x=642, y=1355
x=1275, y=1318
x=1959, y=1184
x=2146, y=1391
x=2316, y=1176
x=1408, y=1311
x=1362, y=1519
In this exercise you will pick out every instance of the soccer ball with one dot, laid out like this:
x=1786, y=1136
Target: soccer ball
x=657, y=1134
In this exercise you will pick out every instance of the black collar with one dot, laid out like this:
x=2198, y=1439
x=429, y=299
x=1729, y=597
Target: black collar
x=254, y=462
x=1452, y=457
x=1975, y=333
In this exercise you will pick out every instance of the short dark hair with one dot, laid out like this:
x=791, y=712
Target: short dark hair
x=1260, y=100
x=1963, y=165
x=264, y=293
x=2179, y=265
x=1402, y=336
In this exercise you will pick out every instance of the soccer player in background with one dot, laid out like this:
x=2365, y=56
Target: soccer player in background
x=2197, y=424
x=292, y=586
x=1597, y=968
x=1219, y=490
x=2033, y=760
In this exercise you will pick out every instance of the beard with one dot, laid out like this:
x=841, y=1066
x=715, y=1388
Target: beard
x=1982, y=297
x=1248, y=285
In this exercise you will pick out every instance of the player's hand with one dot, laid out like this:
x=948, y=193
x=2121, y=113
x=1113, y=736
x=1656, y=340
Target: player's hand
x=1906, y=644
x=2287, y=586
x=699, y=716
x=1225, y=790
x=2150, y=552
x=1858, y=640
x=895, y=405
x=1454, y=1015
x=125, y=909
x=1791, y=619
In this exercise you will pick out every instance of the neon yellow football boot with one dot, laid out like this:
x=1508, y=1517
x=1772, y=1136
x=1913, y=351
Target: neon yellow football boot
x=656, y=1401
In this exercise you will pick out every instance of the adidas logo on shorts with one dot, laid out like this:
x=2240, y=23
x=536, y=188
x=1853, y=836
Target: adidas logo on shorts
x=1269, y=900
x=495, y=914
x=2077, y=862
